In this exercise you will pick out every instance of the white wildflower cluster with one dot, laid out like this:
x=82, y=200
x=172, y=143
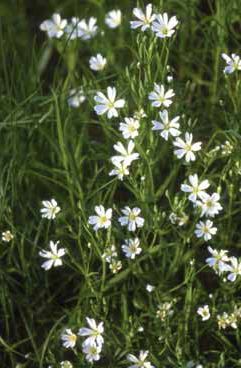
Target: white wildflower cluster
x=77, y=28
x=232, y=320
x=131, y=247
x=110, y=253
x=56, y=27
x=65, y=364
x=171, y=127
x=222, y=264
x=103, y=217
x=53, y=255
x=76, y=97
x=111, y=256
x=224, y=320
x=179, y=219
x=158, y=23
x=233, y=63
x=93, y=344
x=160, y=97
x=165, y=310
x=123, y=160
x=225, y=149
x=140, y=361
x=208, y=203
x=83, y=29
x=7, y=236
x=109, y=105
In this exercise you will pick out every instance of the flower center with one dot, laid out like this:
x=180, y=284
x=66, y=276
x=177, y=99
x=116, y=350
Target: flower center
x=54, y=257
x=132, y=217
x=132, y=128
x=195, y=190
x=167, y=126
x=133, y=248
x=146, y=21
x=205, y=229
x=209, y=204
x=161, y=99
x=72, y=338
x=188, y=147
x=165, y=30
x=93, y=350
x=111, y=105
x=103, y=219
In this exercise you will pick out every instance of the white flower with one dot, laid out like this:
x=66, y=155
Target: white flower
x=54, y=27
x=50, y=209
x=126, y=154
x=140, y=114
x=108, y=104
x=68, y=338
x=150, y=288
x=94, y=333
x=186, y=148
x=131, y=248
x=64, y=364
x=131, y=219
x=234, y=269
x=167, y=126
x=120, y=170
x=7, y=236
x=196, y=189
x=130, y=128
x=92, y=352
x=87, y=30
x=113, y=19
x=218, y=261
x=164, y=310
x=205, y=230
x=204, y=312
x=110, y=253
x=76, y=97
x=115, y=266
x=103, y=218
x=160, y=97
x=223, y=320
x=144, y=20
x=163, y=27
x=210, y=205
x=97, y=62
x=233, y=63
x=54, y=256
x=139, y=362
x=72, y=30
